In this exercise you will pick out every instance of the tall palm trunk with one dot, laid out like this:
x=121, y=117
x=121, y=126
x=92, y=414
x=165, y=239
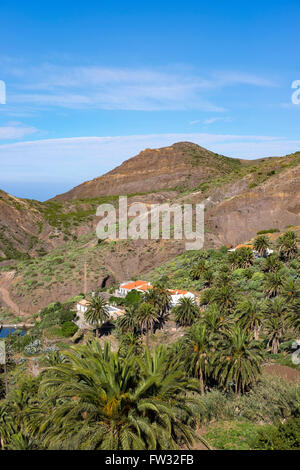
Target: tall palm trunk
x=201, y=382
x=5, y=379
x=275, y=346
x=236, y=384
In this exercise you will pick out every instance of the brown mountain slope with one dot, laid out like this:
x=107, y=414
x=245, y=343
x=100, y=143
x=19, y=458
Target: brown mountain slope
x=59, y=275
x=240, y=197
x=225, y=185
x=273, y=204
x=182, y=164
x=31, y=228
x=20, y=227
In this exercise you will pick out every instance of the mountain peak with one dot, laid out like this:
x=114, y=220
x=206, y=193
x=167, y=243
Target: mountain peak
x=183, y=163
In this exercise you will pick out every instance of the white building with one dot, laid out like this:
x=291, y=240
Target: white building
x=82, y=307
x=140, y=286
x=180, y=294
x=268, y=251
x=143, y=286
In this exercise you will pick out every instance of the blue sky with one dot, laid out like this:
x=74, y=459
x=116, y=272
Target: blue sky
x=92, y=83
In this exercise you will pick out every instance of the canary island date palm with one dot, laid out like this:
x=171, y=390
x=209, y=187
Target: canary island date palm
x=20, y=399
x=241, y=258
x=276, y=306
x=273, y=283
x=250, y=316
x=23, y=441
x=272, y=263
x=215, y=322
x=239, y=360
x=294, y=315
x=208, y=278
x=287, y=245
x=129, y=321
x=234, y=259
x=101, y=401
x=247, y=257
x=225, y=298
x=147, y=316
x=97, y=312
x=199, y=351
x=6, y=424
x=186, y=311
x=130, y=342
x=291, y=290
x=161, y=300
x=275, y=328
x=208, y=296
x=198, y=270
x=223, y=278
x=276, y=323
x=261, y=244
x=16, y=415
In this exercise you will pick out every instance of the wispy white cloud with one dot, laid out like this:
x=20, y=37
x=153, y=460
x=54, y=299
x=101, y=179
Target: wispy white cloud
x=216, y=119
x=122, y=88
x=211, y=120
x=16, y=130
x=231, y=78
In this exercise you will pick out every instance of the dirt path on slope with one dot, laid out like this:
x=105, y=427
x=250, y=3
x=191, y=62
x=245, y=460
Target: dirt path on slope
x=34, y=367
x=285, y=372
x=5, y=281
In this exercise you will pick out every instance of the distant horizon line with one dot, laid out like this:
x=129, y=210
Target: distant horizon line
x=31, y=168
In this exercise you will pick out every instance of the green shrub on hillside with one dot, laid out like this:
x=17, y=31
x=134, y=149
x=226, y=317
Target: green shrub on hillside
x=270, y=230
x=285, y=436
x=232, y=435
x=69, y=329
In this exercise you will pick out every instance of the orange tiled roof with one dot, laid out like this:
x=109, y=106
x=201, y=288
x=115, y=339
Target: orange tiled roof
x=244, y=246
x=145, y=287
x=183, y=292
x=134, y=285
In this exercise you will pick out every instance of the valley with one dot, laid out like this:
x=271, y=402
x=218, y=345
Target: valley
x=45, y=245
x=223, y=349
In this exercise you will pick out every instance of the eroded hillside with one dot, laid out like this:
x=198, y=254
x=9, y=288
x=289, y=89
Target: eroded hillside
x=45, y=245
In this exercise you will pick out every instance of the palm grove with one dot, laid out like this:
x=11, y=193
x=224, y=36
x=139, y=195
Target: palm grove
x=143, y=397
